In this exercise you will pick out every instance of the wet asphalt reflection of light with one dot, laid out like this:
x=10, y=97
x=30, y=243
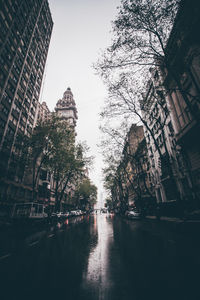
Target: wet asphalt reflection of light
x=100, y=257
x=96, y=279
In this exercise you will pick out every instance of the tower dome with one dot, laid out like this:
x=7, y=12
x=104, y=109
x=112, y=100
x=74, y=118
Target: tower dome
x=66, y=107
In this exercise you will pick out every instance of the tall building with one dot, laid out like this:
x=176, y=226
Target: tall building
x=183, y=55
x=174, y=115
x=160, y=140
x=66, y=108
x=25, y=33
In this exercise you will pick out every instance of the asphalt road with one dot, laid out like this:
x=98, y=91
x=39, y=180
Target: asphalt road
x=101, y=257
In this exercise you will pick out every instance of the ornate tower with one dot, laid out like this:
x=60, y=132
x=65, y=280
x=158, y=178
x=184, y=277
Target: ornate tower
x=66, y=108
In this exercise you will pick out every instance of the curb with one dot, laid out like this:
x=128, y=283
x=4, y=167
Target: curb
x=183, y=226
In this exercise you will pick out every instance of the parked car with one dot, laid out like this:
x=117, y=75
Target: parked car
x=73, y=213
x=60, y=214
x=133, y=214
x=66, y=214
x=79, y=212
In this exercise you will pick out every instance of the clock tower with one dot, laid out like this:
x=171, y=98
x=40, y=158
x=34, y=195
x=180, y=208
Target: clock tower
x=66, y=108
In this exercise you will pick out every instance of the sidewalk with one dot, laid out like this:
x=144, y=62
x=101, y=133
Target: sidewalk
x=190, y=224
x=189, y=217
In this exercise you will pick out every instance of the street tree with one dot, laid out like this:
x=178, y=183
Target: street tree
x=141, y=32
x=114, y=174
x=34, y=151
x=86, y=194
x=140, y=41
x=127, y=101
x=52, y=147
x=126, y=169
x=68, y=161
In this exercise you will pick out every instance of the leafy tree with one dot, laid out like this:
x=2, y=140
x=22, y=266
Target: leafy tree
x=52, y=147
x=40, y=147
x=86, y=194
x=68, y=168
x=109, y=204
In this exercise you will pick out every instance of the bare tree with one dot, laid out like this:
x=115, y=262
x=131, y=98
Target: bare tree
x=125, y=171
x=141, y=33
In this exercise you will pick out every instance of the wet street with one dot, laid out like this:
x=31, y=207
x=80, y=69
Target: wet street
x=101, y=257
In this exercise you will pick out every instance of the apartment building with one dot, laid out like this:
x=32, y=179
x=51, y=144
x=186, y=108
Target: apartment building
x=183, y=57
x=26, y=27
x=173, y=115
x=140, y=190
x=43, y=112
x=161, y=143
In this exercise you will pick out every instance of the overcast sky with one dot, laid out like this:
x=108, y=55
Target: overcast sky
x=81, y=29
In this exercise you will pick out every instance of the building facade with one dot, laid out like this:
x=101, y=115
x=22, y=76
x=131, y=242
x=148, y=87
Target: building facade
x=173, y=115
x=26, y=27
x=140, y=190
x=183, y=57
x=161, y=145
x=43, y=113
x=66, y=108
x=132, y=186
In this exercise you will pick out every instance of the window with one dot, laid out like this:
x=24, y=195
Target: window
x=5, y=110
x=2, y=123
x=171, y=129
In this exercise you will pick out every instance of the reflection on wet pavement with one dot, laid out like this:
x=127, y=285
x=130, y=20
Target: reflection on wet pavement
x=100, y=257
x=96, y=279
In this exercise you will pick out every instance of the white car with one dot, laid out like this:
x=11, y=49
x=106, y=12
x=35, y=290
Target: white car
x=133, y=214
x=73, y=213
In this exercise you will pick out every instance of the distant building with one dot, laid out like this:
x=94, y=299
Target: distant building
x=132, y=186
x=25, y=33
x=66, y=108
x=139, y=187
x=43, y=112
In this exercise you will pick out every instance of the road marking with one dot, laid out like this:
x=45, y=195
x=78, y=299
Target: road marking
x=51, y=235
x=34, y=243
x=5, y=256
